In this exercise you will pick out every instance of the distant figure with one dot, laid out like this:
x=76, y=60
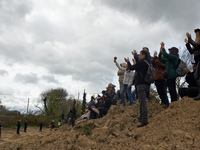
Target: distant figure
x=18, y=126
x=73, y=115
x=25, y=125
x=0, y=129
x=59, y=122
x=41, y=124
x=52, y=125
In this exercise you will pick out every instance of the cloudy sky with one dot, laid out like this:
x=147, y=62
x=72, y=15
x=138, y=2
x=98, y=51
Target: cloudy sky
x=48, y=44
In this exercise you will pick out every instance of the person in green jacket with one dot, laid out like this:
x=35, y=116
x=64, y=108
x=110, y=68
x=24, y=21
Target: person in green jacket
x=171, y=62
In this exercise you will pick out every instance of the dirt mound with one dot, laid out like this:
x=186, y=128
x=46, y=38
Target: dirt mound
x=177, y=127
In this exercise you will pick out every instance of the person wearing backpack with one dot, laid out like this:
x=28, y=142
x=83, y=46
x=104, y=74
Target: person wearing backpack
x=160, y=82
x=171, y=62
x=143, y=87
x=136, y=57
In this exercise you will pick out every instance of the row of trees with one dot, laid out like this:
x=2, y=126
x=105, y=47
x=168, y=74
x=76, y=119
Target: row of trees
x=55, y=102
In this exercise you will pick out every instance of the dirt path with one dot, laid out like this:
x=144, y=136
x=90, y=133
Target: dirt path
x=9, y=135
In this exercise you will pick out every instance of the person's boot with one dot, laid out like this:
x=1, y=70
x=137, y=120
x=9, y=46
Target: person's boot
x=197, y=97
x=143, y=124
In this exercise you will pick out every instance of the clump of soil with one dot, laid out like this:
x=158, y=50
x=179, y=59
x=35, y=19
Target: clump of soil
x=177, y=127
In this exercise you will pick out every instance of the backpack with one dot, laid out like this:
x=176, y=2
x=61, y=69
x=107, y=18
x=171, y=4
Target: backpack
x=180, y=68
x=151, y=72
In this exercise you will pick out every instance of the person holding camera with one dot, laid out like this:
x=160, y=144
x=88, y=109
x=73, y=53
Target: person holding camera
x=127, y=82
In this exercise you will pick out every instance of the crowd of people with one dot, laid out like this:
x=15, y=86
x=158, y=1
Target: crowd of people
x=133, y=74
x=166, y=66
x=98, y=106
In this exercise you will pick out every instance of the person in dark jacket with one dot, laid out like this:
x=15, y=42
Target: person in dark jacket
x=52, y=125
x=18, y=126
x=143, y=87
x=25, y=125
x=171, y=62
x=195, y=49
x=103, y=110
x=136, y=57
x=41, y=124
x=192, y=90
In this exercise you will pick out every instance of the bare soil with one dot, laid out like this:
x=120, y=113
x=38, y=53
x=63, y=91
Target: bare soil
x=174, y=128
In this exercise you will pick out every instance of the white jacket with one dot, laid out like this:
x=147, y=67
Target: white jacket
x=128, y=75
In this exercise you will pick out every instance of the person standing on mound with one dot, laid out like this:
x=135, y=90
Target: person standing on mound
x=143, y=87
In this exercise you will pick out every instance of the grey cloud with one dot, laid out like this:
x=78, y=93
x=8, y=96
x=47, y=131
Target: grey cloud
x=179, y=14
x=31, y=78
x=12, y=11
x=3, y=72
x=13, y=40
x=6, y=91
x=83, y=44
x=49, y=78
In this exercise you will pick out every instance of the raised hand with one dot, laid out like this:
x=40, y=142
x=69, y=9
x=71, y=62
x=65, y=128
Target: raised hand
x=188, y=35
x=126, y=59
x=186, y=41
x=155, y=53
x=115, y=59
x=134, y=52
x=162, y=45
x=133, y=61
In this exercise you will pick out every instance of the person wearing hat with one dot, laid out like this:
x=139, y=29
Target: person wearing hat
x=171, y=62
x=192, y=89
x=195, y=49
x=111, y=90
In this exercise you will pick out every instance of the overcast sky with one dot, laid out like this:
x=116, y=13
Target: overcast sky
x=70, y=44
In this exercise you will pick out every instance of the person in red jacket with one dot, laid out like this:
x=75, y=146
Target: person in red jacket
x=160, y=82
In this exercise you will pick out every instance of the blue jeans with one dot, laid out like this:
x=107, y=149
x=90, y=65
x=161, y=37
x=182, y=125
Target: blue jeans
x=124, y=87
